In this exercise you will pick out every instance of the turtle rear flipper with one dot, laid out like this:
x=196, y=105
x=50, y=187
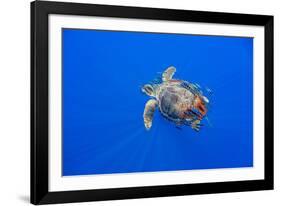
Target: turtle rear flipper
x=196, y=125
x=148, y=113
x=168, y=74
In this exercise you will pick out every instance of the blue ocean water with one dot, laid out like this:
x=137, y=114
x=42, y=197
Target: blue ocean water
x=103, y=130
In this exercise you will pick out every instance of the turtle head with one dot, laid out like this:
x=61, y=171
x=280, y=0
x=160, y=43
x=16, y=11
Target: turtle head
x=149, y=90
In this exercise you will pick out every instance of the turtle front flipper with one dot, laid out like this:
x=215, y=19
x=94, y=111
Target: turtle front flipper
x=148, y=113
x=168, y=74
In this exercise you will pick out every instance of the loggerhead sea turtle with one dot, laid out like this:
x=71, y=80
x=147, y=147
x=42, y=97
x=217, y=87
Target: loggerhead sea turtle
x=179, y=101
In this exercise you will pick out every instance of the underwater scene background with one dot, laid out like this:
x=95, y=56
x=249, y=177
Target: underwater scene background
x=103, y=129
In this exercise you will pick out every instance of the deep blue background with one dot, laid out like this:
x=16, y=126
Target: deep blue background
x=103, y=130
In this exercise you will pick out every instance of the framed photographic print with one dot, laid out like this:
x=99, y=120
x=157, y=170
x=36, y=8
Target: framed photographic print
x=131, y=102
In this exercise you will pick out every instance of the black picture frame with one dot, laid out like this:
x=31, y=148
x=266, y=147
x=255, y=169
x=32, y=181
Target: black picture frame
x=39, y=102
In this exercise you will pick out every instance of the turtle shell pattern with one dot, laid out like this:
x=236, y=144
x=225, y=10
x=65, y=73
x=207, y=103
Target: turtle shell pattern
x=174, y=100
